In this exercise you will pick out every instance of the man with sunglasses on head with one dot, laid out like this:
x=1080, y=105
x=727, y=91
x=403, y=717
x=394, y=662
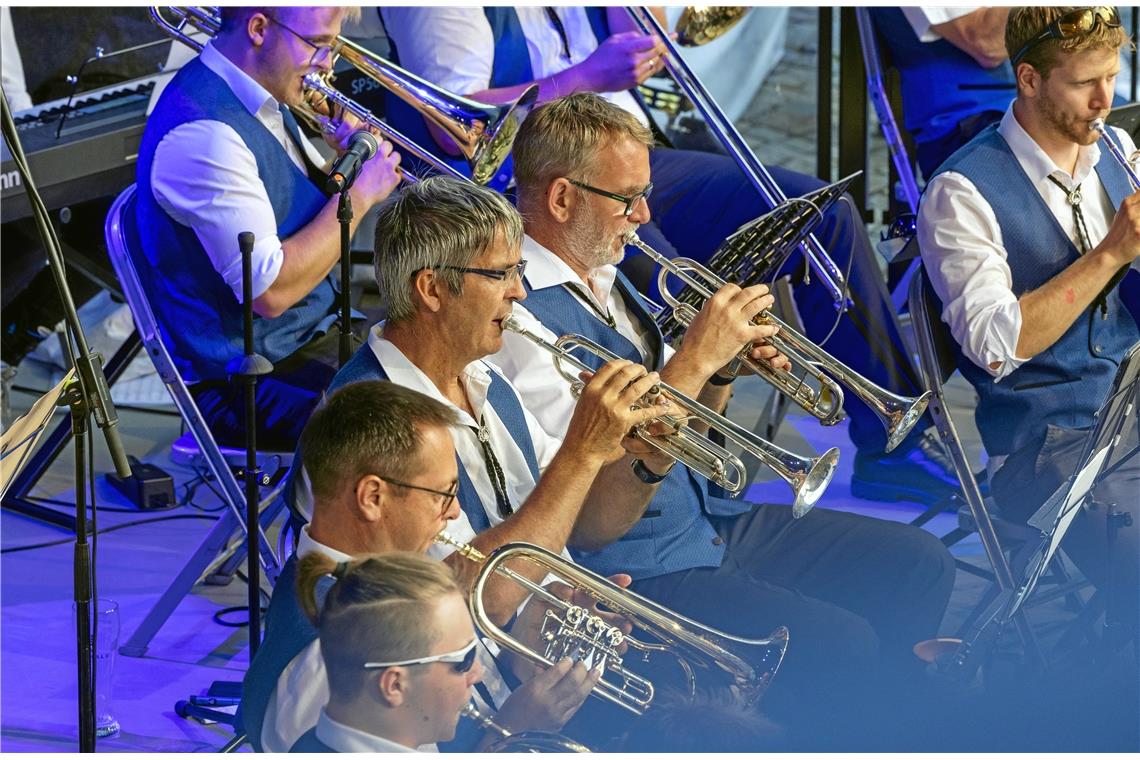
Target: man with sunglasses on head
x=222, y=154
x=383, y=477
x=1025, y=233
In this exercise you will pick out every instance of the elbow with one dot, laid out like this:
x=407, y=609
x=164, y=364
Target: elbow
x=269, y=306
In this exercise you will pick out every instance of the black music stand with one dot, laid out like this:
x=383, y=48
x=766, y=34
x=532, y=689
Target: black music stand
x=1055, y=517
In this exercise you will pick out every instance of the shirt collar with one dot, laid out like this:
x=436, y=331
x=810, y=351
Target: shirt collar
x=476, y=377
x=1035, y=161
x=342, y=738
x=252, y=95
x=306, y=544
x=545, y=269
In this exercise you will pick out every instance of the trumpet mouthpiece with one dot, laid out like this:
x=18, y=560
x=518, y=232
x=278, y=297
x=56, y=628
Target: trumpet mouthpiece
x=631, y=238
x=511, y=322
x=1097, y=125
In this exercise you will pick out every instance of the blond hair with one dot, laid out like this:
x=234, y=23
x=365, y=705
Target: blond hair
x=379, y=609
x=563, y=137
x=1026, y=23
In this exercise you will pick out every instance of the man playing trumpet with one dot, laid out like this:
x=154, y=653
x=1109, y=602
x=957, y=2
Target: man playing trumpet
x=1024, y=234
x=841, y=583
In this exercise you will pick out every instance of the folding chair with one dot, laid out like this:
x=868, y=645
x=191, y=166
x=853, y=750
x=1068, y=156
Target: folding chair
x=122, y=244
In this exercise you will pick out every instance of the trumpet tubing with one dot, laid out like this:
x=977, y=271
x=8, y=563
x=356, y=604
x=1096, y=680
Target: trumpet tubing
x=808, y=478
x=575, y=631
x=899, y=414
x=523, y=741
x=1098, y=125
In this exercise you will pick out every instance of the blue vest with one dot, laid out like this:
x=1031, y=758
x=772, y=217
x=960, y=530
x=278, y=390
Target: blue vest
x=501, y=396
x=941, y=85
x=511, y=66
x=287, y=633
x=1065, y=384
x=200, y=317
x=674, y=534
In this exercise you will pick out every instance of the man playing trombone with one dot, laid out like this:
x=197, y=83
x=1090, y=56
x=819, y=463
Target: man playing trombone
x=720, y=561
x=1025, y=234
x=222, y=154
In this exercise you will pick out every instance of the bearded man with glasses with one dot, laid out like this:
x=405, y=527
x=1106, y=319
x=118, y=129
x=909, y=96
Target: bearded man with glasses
x=1026, y=233
x=222, y=154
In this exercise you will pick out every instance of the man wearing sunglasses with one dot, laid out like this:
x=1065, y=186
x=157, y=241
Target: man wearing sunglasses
x=1025, y=234
x=222, y=154
x=383, y=474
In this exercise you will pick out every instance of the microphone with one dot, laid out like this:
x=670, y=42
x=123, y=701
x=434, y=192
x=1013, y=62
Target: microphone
x=362, y=147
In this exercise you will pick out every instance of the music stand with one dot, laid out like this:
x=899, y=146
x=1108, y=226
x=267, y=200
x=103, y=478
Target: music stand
x=1056, y=515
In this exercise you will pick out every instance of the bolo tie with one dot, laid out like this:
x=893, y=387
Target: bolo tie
x=494, y=470
x=1074, y=198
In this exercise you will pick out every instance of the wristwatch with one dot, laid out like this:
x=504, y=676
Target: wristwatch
x=645, y=475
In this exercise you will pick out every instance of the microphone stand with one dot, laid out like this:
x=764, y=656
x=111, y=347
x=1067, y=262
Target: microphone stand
x=248, y=367
x=88, y=394
x=344, y=216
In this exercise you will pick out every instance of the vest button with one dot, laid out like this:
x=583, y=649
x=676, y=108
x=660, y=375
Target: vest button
x=718, y=541
x=1098, y=348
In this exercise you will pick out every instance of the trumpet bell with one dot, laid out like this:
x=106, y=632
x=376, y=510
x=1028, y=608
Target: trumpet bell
x=902, y=416
x=814, y=482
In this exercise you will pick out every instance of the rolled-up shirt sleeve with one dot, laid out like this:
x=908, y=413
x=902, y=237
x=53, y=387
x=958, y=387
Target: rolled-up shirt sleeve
x=450, y=47
x=206, y=178
x=965, y=260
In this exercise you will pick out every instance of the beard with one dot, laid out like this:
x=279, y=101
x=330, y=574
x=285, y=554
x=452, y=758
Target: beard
x=592, y=245
x=1073, y=128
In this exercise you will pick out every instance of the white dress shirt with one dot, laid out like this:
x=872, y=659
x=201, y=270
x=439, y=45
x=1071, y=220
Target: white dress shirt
x=341, y=738
x=303, y=687
x=205, y=177
x=455, y=47
x=965, y=259
x=11, y=65
x=922, y=18
x=532, y=368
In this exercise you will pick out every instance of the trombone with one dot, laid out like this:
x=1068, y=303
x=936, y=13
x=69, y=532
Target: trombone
x=483, y=133
x=570, y=630
x=897, y=413
x=721, y=126
x=808, y=478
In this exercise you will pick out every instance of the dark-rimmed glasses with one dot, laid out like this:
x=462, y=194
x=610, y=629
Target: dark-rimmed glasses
x=448, y=496
x=502, y=275
x=462, y=659
x=321, y=53
x=630, y=201
x=1069, y=25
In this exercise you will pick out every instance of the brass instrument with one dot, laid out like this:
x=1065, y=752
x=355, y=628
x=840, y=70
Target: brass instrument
x=1098, y=125
x=808, y=478
x=570, y=630
x=522, y=741
x=898, y=413
x=700, y=25
x=482, y=132
x=736, y=147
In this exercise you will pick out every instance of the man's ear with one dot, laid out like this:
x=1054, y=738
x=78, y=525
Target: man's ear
x=393, y=686
x=255, y=27
x=561, y=198
x=428, y=289
x=370, y=493
x=1028, y=79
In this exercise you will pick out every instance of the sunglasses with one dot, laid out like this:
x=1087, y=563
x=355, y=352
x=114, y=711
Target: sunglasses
x=1070, y=25
x=462, y=659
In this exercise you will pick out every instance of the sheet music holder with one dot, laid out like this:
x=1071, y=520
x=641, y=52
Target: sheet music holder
x=19, y=440
x=759, y=248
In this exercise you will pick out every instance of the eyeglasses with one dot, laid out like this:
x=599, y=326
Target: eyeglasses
x=1071, y=24
x=463, y=659
x=448, y=496
x=630, y=201
x=503, y=275
x=321, y=53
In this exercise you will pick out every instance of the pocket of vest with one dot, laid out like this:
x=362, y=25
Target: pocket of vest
x=1044, y=384
x=651, y=513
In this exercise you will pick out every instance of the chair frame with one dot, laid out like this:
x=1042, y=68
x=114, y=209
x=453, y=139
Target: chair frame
x=232, y=524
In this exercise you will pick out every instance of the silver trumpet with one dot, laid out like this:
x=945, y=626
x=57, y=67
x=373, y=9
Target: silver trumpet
x=897, y=413
x=482, y=132
x=522, y=741
x=1098, y=125
x=807, y=477
x=571, y=630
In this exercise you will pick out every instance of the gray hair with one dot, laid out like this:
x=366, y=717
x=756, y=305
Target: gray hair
x=439, y=222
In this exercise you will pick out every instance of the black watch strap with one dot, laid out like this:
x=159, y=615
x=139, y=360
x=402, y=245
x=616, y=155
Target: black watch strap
x=645, y=475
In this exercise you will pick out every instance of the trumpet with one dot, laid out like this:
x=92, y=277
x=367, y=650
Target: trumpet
x=897, y=413
x=483, y=133
x=570, y=630
x=1098, y=125
x=808, y=478
x=523, y=741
